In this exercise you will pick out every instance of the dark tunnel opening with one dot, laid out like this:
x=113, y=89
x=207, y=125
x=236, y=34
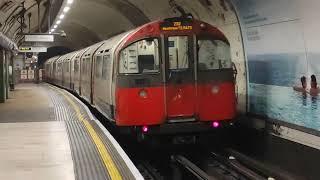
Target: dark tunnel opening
x=51, y=52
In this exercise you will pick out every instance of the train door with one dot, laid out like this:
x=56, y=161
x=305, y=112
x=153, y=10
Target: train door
x=180, y=78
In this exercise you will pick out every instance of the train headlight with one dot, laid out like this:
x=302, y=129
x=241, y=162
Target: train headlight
x=143, y=93
x=203, y=26
x=215, y=89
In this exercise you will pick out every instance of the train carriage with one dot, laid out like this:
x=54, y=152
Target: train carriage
x=168, y=76
x=76, y=74
x=60, y=73
x=75, y=70
x=86, y=78
x=49, y=74
x=67, y=68
x=103, y=75
x=174, y=71
x=55, y=70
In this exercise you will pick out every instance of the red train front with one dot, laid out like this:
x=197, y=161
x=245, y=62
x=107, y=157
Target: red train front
x=174, y=76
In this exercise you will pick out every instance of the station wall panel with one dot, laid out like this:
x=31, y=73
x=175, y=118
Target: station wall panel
x=282, y=45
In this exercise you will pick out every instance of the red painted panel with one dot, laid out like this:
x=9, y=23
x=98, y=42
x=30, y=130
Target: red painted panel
x=180, y=100
x=131, y=109
x=219, y=105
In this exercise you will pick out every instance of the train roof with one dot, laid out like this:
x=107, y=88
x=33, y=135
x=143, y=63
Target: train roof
x=70, y=55
x=110, y=44
x=52, y=59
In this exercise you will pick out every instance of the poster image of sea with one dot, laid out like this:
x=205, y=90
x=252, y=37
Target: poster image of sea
x=283, y=59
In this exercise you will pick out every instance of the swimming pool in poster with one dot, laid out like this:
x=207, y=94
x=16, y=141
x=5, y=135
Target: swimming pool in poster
x=272, y=78
x=283, y=103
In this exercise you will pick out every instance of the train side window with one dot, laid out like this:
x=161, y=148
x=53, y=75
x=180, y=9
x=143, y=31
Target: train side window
x=76, y=66
x=178, y=52
x=59, y=67
x=83, y=66
x=140, y=57
x=106, y=65
x=88, y=66
x=213, y=54
x=99, y=66
x=67, y=67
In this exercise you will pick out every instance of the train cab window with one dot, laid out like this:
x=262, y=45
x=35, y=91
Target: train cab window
x=178, y=52
x=140, y=57
x=213, y=54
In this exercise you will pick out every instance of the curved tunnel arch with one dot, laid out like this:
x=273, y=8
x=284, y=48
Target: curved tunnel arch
x=128, y=10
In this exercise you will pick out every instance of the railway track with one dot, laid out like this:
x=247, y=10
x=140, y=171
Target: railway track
x=148, y=171
x=221, y=167
x=192, y=168
x=236, y=166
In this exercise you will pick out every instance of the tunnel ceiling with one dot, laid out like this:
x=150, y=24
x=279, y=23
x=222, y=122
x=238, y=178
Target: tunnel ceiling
x=91, y=21
x=11, y=12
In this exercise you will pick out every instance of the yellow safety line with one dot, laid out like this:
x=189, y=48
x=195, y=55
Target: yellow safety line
x=106, y=158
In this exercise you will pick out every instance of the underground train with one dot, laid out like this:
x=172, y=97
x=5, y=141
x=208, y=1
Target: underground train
x=166, y=77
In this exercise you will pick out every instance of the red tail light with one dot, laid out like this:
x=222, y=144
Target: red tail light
x=145, y=129
x=215, y=124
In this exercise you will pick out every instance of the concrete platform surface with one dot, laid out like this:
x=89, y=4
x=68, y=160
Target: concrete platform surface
x=47, y=133
x=35, y=151
x=27, y=103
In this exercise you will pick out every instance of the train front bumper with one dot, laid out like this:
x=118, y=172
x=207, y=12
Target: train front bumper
x=179, y=128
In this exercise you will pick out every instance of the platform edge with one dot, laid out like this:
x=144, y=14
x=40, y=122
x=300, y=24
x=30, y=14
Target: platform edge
x=135, y=172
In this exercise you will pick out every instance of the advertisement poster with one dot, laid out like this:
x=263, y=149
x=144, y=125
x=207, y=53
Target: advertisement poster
x=283, y=57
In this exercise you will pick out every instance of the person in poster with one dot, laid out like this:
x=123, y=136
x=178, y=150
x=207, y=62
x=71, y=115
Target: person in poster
x=303, y=87
x=314, y=90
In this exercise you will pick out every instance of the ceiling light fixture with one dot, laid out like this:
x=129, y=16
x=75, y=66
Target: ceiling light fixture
x=61, y=16
x=66, y=9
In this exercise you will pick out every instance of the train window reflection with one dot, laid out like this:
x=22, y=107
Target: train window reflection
x=213, y=54
x=140, y=57
x=178, y=52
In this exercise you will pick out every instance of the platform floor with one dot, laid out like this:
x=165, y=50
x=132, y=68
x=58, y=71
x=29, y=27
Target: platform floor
x=46, y=133
x=25, y=103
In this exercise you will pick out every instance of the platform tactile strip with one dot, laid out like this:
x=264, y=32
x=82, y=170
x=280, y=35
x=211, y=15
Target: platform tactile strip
x=87, y=161
x=119, y=162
